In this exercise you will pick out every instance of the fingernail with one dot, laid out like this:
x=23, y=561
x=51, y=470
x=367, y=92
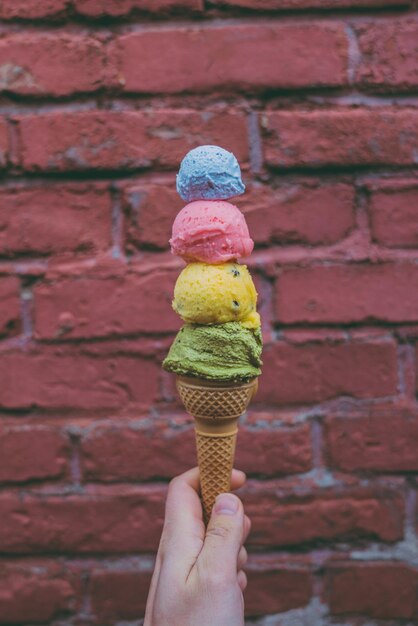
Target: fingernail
x=226, y=504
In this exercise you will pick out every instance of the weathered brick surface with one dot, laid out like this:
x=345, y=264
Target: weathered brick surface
x=150, y=209
x=101, y=100
x=32, y=453
x=9, y=305
x=115, y=452
x=303, y=211
x=56, y=379
x=387, y=292
x=379, y=590
x=303, y=374
x=31, y=9
x=119, y=595
x=389, y=55
x=378, y=443
x=124, y=139
x=275, y=589
x=341, y=137
x=281, y=518
x=30, y=65
x=300, y=212
x=274, y=452
x=394, y=219
x=55, y=219
x=232, y=57
x=110, y=520
x=89, y=307
x=36, y=592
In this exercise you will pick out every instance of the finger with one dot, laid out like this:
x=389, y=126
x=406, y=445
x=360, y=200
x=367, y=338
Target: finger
x=238, y=479
x=242, y=558
x=247, y=528
x=184, y=530
x=223, y=539
x=180, y=488
x=242, y=580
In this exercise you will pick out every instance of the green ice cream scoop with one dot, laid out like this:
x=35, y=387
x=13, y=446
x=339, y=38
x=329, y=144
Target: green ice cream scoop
x=220, y=352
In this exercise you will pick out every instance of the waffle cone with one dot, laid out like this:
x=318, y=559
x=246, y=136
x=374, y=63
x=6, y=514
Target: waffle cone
x=216, y=408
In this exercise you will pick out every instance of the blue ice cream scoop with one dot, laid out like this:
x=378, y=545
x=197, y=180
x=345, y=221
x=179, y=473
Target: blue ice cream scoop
x=209, y=173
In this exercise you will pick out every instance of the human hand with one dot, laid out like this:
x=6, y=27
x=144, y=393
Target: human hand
x=198, y=578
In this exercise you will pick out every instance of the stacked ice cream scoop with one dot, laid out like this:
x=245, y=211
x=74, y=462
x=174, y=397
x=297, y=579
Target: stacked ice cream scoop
x=217, y=353
x=214, y=295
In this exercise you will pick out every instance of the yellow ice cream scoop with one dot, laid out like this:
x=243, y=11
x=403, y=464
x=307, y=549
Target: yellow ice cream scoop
x=216, y=294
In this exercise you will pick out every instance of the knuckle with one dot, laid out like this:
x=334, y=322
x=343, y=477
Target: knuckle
x=218, y=531
x=173, y=483
x=242, y=579
x=243, y=556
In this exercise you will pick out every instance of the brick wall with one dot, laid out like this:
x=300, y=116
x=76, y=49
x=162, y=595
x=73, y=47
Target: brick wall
x=100, y=100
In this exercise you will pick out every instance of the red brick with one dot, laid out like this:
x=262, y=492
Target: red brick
x=378, y=590
x=108, y=520
x=125, y=139
x=55, y=219
x=283, y=516
x=57, y=65
x=231, y=57
x=343, y=137
x=31, y=9
x=377, y=443
x=56, y=379
x=119, y=595
x=275, y=589
x=151, y=208
x=272, y=452
x=4, y=143
x=9, y=305
x=119, y=8
x=301, y=212
x=389, y=54
x=32, y=453
x=100, y=307
x=349, y=293
x=271, y=5
x=117, y=451
x=394, y=215
x=35, y=591
x=314, y=372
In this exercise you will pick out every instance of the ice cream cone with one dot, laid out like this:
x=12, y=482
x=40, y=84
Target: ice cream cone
x=216, y=408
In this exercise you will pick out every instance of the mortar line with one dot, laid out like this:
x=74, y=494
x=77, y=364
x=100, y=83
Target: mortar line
x=117, y=223
x=255, y=143
x=27, y=312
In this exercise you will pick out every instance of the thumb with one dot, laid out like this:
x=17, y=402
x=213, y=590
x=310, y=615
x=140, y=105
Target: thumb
x=224, y=536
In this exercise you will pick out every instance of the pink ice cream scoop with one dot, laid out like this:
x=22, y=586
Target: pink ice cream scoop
x=211, y=231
